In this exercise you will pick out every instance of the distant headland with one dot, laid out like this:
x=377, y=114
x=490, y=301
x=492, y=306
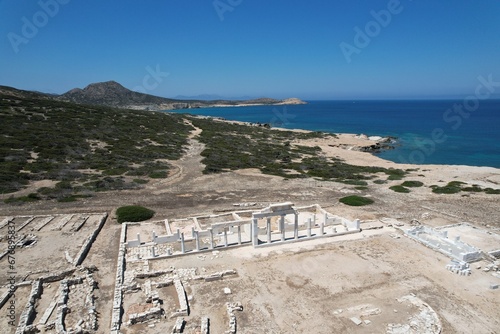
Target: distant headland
x=113, y=94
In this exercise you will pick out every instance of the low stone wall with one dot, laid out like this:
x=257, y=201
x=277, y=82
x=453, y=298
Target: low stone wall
x=183, y=303
x=231, y=308
x=6, y=295
x=28, y=314
x=116, y=314
x=152, y=313
x=88, y=242
x=57, y=276
x=205, y=325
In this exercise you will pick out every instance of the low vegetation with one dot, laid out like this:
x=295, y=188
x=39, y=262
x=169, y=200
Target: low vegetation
x=86, y=149
x=89, y=148
x=400, y=189
x=412, y=184
x=236, y=146
x=455, y=187
x=133, y=213
x=355, y=200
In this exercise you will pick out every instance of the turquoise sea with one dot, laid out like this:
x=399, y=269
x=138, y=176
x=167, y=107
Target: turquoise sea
x=454, y=132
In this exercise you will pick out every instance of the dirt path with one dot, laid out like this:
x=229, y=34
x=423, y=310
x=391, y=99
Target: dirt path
x=186, y=169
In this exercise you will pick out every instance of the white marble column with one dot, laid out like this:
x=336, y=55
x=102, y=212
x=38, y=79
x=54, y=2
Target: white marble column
x=296, y=227
x=225, y=237
x=268, y=230
x=282, y=224
x=197, y=237
x=321, y=229
x=183, y=247
x=308, y=224
x=211, y=232
x=239, y=234
x=255, y=232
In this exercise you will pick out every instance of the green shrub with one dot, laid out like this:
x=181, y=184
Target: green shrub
x=159, y=174
x=32, y=197
x=412, y=184
x=356, y=200
x=379, y=181
x=355, y=182
x=115, y=171
x=400, y=189
x=492, y=191
x=63, y=185
x=447, y=189
x=474, y=188
x=133, y=213
x=140, y=181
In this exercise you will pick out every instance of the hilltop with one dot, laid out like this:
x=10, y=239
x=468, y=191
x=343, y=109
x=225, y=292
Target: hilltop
x=113, y=94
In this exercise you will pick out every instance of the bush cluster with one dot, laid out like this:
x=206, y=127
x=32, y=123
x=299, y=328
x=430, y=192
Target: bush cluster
x=133, y=213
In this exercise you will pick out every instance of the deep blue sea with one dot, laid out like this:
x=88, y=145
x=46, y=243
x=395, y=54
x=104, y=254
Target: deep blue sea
x=428, y=132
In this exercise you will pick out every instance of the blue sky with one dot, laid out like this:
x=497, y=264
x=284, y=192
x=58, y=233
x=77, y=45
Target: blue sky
x=275, y=48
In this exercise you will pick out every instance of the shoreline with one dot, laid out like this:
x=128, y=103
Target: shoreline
x=364, y=141
x=358, y=140
x=346, y=146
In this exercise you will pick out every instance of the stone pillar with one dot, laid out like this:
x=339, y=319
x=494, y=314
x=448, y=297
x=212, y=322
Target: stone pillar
x=225, y=237
x=296, y=227
x=197, y=237
x=153, y=254
x=314, y=220
x=211, y=232
x=154, y=236
x=239, y=234
x=321, y=228
x=326, y=218
x=268, y=230
x=255, y=232
x=183, y=249
x=282, y=224
x=308, y=224
x=192, y=232
x=139, y=238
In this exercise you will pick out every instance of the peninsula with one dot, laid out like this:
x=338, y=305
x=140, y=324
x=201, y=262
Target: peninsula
x=113, y=94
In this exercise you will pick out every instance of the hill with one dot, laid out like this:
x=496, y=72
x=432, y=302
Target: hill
x=89, y=148
x=113, y=94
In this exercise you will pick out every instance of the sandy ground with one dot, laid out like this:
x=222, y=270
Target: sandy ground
x=324, y=278
x=328, y=283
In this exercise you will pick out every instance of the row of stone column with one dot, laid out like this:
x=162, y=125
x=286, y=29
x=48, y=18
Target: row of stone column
x=281, y=228
x=196, y=235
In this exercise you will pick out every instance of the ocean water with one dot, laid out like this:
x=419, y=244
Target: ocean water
x=428, y=132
